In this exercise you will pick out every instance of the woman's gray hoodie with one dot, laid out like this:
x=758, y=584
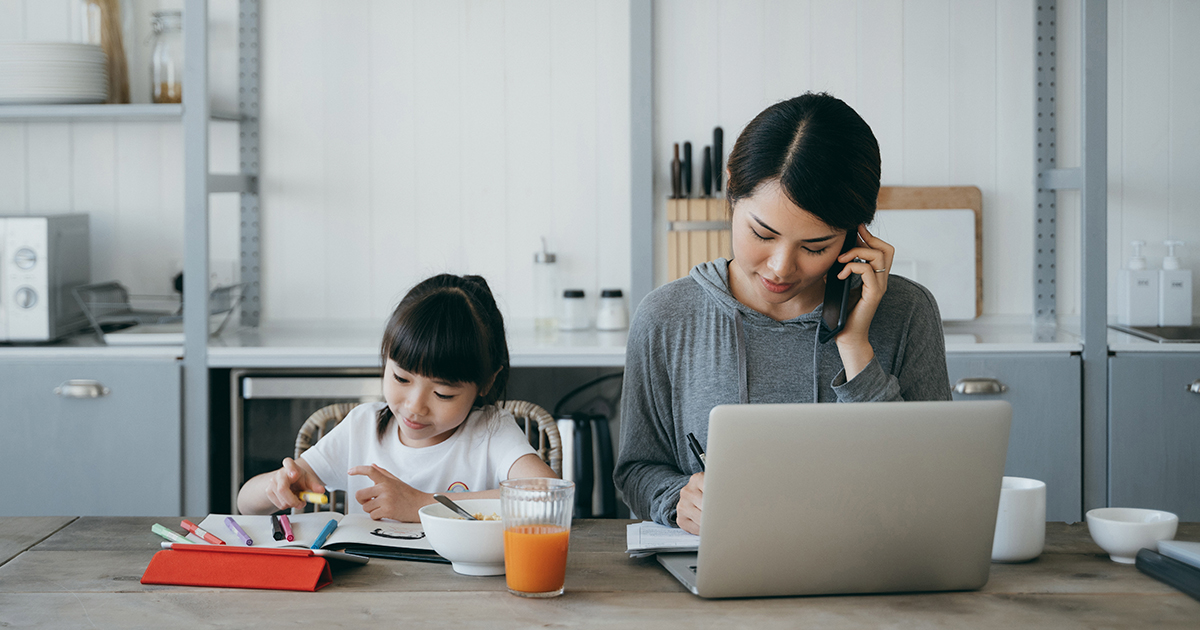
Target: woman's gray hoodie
x=693, y=346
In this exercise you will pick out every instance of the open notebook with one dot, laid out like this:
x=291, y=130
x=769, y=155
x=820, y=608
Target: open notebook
x=356, y=533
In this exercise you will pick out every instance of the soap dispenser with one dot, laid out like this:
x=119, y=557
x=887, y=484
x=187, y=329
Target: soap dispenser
x=1174, y=290
x=1137, y=291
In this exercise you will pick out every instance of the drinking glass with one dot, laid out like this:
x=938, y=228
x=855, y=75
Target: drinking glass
x=537, y=532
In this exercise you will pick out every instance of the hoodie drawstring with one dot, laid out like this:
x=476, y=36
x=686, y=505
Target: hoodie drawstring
x=740, y=342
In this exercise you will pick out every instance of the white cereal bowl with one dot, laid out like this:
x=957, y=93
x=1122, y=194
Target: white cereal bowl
x=472, y=547
x=1122, y=532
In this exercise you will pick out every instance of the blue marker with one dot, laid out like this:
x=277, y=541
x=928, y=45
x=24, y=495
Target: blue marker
x=329, y=527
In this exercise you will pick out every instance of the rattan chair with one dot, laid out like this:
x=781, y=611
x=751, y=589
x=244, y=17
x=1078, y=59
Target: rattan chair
x=540, y=428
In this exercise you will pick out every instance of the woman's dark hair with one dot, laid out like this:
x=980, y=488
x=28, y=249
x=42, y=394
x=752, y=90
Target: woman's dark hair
x=822, y=153
x=448, y=328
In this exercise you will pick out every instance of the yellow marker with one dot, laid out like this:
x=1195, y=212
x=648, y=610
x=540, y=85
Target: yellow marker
x=313, y=497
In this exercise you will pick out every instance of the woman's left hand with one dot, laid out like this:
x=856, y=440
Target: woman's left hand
x=389, y=497
x=876, y=256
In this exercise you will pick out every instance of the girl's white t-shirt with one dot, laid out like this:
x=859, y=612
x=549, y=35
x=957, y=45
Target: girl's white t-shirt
x=476, y=457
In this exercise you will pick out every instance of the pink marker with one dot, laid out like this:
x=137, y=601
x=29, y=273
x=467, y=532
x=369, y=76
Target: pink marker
x=287, y=527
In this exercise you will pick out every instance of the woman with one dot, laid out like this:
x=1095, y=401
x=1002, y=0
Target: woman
x=803, y=177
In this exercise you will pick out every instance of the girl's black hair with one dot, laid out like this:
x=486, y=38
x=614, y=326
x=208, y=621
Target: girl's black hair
x=449, y=328
x=821, y=152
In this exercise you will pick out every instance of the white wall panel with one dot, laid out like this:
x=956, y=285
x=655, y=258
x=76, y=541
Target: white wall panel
x=392, y=170
x=49, y=163
x=835, y=48
x=926, y=92
x=528, y=162
x=1008, y=220
x=880, y=74
x=613, y=175
x=483, y=131
x=14, y=196
x=1184, y=103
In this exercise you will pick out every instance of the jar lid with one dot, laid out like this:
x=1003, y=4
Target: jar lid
x=573, y=293
x=611, y=293
x=544, y=257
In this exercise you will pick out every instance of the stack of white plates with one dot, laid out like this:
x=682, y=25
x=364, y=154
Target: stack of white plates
x=52, y=72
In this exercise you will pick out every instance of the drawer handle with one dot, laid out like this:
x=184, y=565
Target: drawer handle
x=972, y=386
x=1194, y=387
x=79, y=388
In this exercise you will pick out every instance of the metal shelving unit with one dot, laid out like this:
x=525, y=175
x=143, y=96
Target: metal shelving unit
x=1091, y=179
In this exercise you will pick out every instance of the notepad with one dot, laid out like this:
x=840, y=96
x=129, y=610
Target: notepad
x=1183, y=551
x=356, y=533
x=648, y=538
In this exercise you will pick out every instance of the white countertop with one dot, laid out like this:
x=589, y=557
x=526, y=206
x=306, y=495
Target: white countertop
x=354, y=343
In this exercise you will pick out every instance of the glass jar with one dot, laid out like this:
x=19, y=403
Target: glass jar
x=545, y=290
x=166, y=65
x=574, y=311
x=611, y=314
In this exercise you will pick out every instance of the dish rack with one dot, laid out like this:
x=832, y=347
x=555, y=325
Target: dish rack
x=110, y=307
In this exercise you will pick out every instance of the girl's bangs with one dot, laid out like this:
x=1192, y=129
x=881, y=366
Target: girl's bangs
x=439, y=339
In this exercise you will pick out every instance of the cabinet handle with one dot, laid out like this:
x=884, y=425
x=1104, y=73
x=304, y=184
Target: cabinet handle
x=972, y=386
x=81, y=388
x=1194, y=387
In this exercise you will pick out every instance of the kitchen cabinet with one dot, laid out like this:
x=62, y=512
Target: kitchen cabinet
x=94, y=437
x=1044, y=443
x=1154, y=432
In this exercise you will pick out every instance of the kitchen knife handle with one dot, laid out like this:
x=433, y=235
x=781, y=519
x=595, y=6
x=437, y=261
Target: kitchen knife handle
x=718, y=170
x=706, y=172
x=687, y=169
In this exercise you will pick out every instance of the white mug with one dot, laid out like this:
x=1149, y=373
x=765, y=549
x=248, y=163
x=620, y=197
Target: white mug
x=1020, y=521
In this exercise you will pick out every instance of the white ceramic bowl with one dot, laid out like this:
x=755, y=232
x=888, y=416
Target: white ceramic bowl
x=472, y=547
x=1122, y=532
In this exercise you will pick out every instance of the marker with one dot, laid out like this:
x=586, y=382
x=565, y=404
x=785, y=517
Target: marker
x=329, y=527
x=695, y=446
x=314, y=497
x=195, y=529
x=237, y=529
x=287, y=528
x=168, y=534
x=276, y=528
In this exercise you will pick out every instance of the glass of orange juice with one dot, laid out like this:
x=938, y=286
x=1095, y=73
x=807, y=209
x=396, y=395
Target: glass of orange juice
x=537, y=532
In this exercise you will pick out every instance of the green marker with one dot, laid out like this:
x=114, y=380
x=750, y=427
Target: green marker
x=168, y=534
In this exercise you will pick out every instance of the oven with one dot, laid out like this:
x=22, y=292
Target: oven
x=268, y=407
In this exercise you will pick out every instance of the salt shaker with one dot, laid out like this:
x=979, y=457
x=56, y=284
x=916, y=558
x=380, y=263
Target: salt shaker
x=611, y=313
x=545, y=289
x=574, y=311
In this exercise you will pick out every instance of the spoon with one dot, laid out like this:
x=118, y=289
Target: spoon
x=445, y=500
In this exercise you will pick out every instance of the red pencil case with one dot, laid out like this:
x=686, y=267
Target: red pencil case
x=239, y=567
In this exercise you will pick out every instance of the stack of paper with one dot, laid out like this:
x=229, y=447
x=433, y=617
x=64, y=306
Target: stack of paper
x=648, y=538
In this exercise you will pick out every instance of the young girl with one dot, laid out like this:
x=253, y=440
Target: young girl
x=445, y=365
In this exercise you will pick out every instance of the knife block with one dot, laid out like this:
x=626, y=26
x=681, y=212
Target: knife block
x=691, y=239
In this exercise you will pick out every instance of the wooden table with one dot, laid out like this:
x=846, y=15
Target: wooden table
x=85, y=572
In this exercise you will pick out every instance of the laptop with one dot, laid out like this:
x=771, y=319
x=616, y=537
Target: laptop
x=819, y=499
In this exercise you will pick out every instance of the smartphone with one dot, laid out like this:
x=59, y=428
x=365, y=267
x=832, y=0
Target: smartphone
x=840, y=295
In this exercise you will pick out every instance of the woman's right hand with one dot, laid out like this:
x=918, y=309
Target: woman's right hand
x=691, y=498
x=285, y=485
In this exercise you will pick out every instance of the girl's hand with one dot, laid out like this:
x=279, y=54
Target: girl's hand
x=687, y=512
x=853, y=343
x=389, y=497
x=284, y=485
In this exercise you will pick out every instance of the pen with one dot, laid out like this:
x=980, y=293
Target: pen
x=195, y=529
x=695, y=445
x=276, y=528
x=329, y=527
x=314, y=497
x=237, y=529
x=287, y=528
x=168, y=534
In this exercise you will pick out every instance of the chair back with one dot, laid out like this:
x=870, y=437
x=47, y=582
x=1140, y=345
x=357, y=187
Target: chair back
x=540, y=429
